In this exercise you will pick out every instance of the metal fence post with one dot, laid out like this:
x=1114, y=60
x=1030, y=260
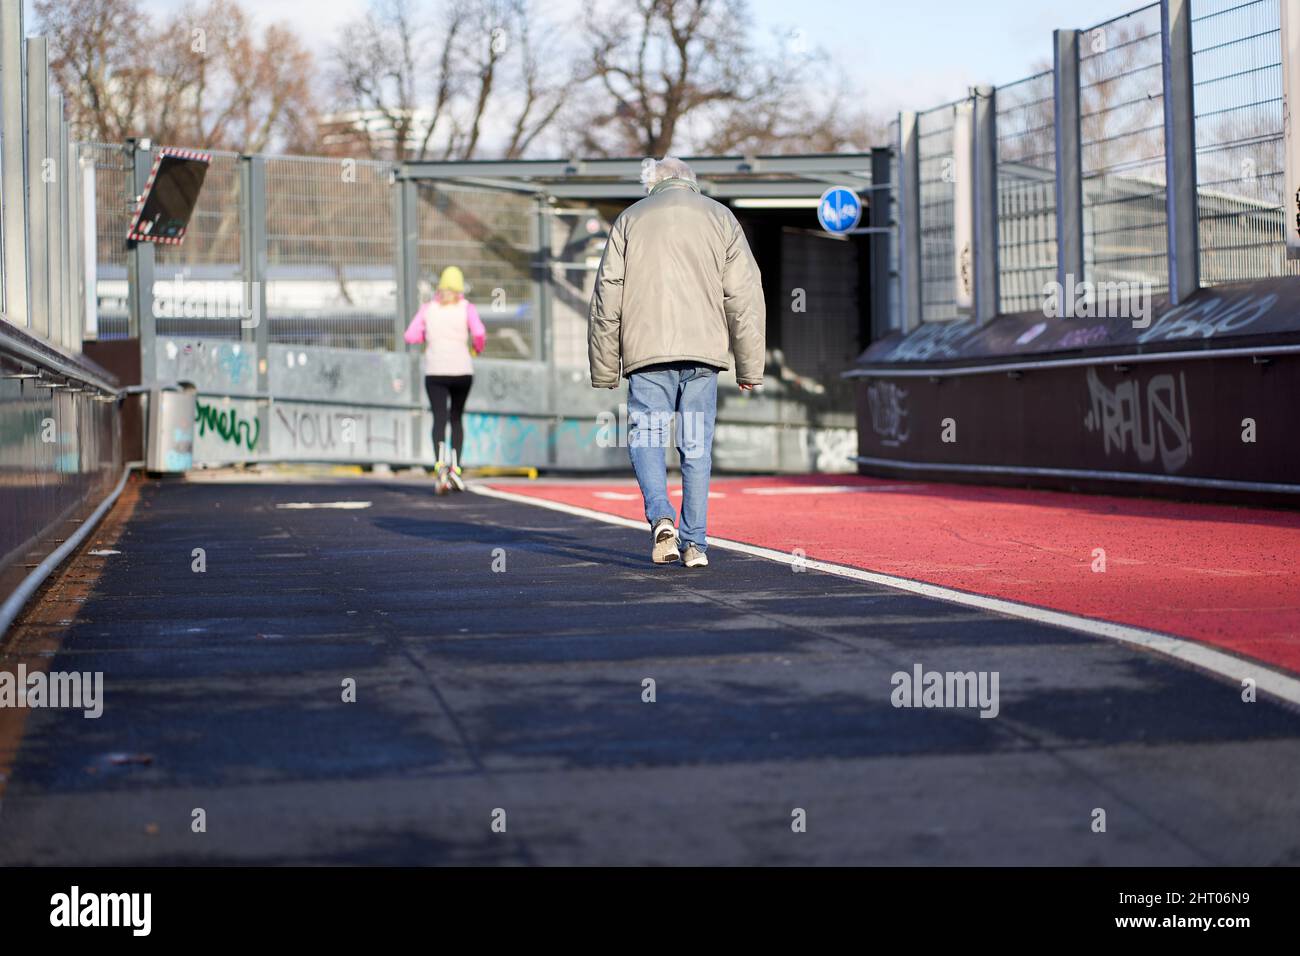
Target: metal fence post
x=52, y=179
x=140, y=269
x=880, y=219
x=986, y=204
x=544, y=346
x=38, y=219
x=1069, y=159
x=406, y=221
x=257, y=327
x=909, y=221
x=406, y=259
x=13, y=187
x=72, y=297
x=1180, y=149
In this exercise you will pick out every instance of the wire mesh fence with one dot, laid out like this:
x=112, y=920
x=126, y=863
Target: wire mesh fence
x=198, y=285
x=1026, y=157
x=331, y=275
x=1121, y=94
x=934, y=148
x=492, y=235
x=1237, y=61
x=113, y=208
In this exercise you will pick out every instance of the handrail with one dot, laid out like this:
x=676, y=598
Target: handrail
x=18, y=344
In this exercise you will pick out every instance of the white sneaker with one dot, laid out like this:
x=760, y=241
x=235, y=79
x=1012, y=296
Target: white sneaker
x=695, y=558
x=664, y=538
x=453, y=474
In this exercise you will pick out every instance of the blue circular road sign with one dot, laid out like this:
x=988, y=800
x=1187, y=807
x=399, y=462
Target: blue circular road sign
x=839, y=210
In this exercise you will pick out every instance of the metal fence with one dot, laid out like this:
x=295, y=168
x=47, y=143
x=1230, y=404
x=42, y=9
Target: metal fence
x=1105, y=100
x=938, y=285
x=331, y=271
x=1237, y=56
x=1026, y=158
x=1123, y=150
x=111, y=167
x=331, y=274
x=198, y=288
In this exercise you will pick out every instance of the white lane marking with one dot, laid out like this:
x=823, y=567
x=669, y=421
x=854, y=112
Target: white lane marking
x=308, y=505
x=677, y=493
x=104, y=552
x=823, y=489
x=1220, y=663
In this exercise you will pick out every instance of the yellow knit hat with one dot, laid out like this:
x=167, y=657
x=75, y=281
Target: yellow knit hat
x=451, y=280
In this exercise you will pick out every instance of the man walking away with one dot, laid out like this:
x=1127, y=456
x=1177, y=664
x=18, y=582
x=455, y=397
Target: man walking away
x=676, y=290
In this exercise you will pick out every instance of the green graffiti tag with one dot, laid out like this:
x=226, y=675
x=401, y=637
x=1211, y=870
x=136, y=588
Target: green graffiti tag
x=227, y=424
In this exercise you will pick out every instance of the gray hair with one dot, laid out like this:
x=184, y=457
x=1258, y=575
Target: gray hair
x=655, y=171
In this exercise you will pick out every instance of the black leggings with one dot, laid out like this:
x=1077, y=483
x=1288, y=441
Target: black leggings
x=442, y=389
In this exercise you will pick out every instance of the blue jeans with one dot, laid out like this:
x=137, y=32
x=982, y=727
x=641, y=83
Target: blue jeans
x=685, y=395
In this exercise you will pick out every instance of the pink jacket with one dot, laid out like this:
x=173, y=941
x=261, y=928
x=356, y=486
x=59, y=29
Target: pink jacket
x=444, y=329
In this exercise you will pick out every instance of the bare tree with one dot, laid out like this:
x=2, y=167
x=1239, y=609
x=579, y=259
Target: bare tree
x=412, y=85
x=689, y=74
x=662, y=64
x=231, y=89
x=388, y=90
x=204, y=79
x=540, y=91
x=95, y=50
x=792, y=118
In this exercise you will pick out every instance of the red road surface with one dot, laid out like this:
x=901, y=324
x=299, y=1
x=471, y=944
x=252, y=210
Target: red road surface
x=1227, y=576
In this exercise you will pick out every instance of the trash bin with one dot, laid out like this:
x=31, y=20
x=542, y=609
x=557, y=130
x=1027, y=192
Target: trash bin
x=171, y=428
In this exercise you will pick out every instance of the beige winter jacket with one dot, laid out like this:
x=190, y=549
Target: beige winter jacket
x=677, y=283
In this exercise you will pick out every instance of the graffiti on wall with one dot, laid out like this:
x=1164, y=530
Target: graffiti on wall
x=227, y=424
x=833, y=449
x=1151, y=419
x=213, y=366
x=503, y=440
x=1209, y=316
x=888, y=404
x=933, y=340
x=340, y=433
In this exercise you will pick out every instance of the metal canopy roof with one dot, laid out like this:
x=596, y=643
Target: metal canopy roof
x=722, y=177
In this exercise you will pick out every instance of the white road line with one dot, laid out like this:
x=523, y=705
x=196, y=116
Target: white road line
x=1268, y=681
x=824, y=489
x=313, y=505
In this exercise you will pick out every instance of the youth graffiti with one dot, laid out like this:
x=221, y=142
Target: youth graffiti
x=1152, y=419
x=889, y=413
x=375, y=434
x=227, y=424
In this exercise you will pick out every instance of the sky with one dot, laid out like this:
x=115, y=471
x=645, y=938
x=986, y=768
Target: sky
x=908, y=54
